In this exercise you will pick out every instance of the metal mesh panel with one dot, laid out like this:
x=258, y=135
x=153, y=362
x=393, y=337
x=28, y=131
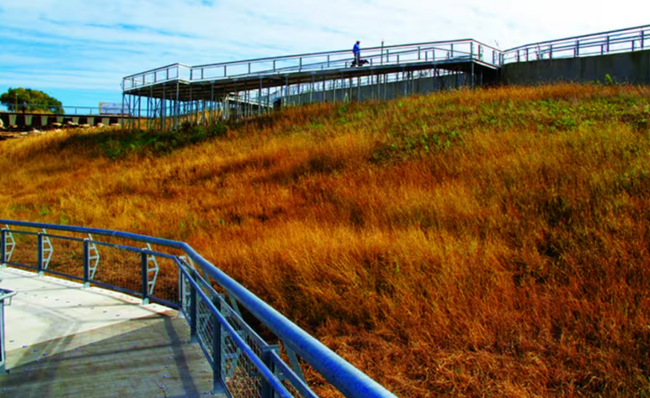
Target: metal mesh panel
x=292, y=390
x=186, y=299
x=67, y=257
x=204, y=324
x=119, y=268
x=238, y=372
x=25, y=250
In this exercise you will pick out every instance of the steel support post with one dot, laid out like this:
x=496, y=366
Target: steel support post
x=236, y=100
x=286, y=90
x=40, y=255
x=472, y=85
x=212, y=104
x=216, y=348
x=3, y=247
x=267, y=352
x=163, y=109
x=177, y=105
x=358, y=89
x=193, y=314
x=259, y=100
x=123, y=101
x=143, y=270
x=139, y=109
x=86, y=263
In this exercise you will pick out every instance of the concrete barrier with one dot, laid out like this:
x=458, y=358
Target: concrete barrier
x=631, y=67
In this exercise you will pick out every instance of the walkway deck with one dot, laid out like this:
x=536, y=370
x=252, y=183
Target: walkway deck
x=66, y=341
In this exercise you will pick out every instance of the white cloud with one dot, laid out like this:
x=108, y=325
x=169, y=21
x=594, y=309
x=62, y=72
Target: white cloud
x=92, y=44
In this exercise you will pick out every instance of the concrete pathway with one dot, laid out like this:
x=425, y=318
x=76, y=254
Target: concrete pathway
x=66, y=341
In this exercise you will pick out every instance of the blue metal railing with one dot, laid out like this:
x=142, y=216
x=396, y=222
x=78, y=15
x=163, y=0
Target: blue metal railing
x=243, y=363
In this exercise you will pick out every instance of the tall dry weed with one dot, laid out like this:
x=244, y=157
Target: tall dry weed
x=492, y=242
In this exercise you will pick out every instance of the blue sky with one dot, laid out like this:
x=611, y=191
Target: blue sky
x=79, y=50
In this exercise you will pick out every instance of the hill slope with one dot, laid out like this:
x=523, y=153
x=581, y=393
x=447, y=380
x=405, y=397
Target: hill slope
x=465, y=243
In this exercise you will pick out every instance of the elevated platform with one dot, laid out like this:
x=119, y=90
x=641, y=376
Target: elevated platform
x=64, y=340
x=217, y=87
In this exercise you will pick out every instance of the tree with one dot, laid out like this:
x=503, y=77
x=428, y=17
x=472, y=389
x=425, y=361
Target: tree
x=28, y=100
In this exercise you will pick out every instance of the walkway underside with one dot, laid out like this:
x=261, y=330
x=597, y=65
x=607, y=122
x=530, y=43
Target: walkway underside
x=211, y=90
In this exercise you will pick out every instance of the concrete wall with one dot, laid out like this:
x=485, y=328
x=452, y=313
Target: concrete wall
x=632, y=67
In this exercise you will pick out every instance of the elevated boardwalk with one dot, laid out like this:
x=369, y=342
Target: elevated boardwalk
x=66, y=341
x=179, y=93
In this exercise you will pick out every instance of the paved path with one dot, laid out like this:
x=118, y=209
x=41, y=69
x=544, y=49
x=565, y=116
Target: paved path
x=66, y=341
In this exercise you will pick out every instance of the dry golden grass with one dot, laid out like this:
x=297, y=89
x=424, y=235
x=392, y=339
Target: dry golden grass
x=491, y=243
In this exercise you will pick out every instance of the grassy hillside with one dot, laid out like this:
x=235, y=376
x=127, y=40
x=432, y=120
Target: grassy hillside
x=492, y=242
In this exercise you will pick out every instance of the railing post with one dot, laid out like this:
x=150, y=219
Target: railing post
x=202, y=70
x=193, y=320
x=550, y=54
x=300, y=65
x=40, y=254
x=607, y=44
x=328, y=61
x=642, y=39
x=274, y=65
x=225, y=73
x=143, y=270
x=452, y=50
x=419, y=54
x=471, y=51
x=216, y=348
x=86, y=263
x=3, y=247
x=576, y=52
x=267, y=352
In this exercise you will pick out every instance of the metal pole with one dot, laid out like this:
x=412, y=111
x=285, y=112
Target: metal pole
x=311, y=93
x=143, y=267
x=177, y=105
x=86, y=263
x=259, y=100
x=40, y=254
x=3, y=247
x=163, y=110
x=286, y=90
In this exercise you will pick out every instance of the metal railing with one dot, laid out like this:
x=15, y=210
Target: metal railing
x=163, y=74
x=447, y=51
x=5, y=299
x=622, y=40
x=614, y=41
x=214, y=305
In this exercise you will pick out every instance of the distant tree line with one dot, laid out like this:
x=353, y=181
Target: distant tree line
x=28, y=100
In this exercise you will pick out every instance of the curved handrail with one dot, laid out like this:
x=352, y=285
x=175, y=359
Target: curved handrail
x=341, y=374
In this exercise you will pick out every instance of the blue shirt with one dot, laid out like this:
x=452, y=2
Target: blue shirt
x=355, y=49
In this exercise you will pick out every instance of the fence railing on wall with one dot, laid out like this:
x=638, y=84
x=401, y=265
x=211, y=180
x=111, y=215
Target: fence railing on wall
x=614, y=41
x=214, y=305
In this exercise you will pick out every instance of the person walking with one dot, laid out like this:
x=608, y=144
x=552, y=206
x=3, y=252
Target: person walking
x=357, y=54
